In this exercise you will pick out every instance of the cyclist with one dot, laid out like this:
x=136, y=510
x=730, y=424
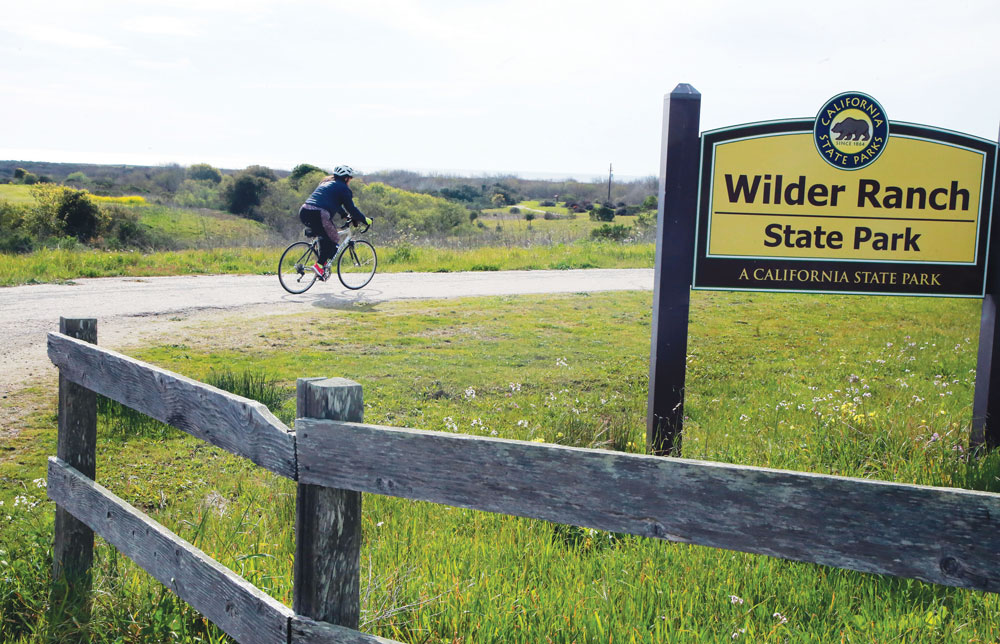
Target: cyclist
x=331, y=197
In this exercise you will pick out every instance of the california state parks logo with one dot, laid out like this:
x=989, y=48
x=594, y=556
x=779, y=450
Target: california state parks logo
x=851, y=130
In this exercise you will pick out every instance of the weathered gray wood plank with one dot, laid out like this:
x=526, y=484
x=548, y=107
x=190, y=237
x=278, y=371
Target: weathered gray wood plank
x=941, y=535
x=232, y=603
x=327, y=569
x=236, y=424
x=307, y=631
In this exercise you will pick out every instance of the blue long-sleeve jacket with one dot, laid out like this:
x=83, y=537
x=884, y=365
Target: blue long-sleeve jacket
x=335, y=197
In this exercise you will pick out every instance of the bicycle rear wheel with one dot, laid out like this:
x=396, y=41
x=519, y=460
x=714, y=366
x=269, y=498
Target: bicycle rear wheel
x=295, y=267
x=356, y=265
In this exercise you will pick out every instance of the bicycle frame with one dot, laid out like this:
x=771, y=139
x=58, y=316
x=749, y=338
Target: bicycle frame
x=346, y=236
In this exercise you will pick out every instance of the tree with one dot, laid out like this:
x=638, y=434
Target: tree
x=244, y=193
x=463, y=192
x=261, y=171
x=301, y=171
x=170, y=178
x=204, y=172
x=650, y=203
x=80, y=217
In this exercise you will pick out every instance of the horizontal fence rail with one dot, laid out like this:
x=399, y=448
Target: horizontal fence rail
x=238, y=425
x=233, y=604
x=942, y=535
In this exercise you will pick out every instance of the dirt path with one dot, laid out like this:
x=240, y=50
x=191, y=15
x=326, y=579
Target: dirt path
x=141, y=311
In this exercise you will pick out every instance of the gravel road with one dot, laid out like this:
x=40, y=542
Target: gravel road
x=140, y=310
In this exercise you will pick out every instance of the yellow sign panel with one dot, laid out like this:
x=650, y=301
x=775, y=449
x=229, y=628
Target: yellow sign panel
x=773, y=196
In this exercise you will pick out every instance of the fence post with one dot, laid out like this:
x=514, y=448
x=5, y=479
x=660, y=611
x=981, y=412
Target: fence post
x=73, y=547
x=327, y=520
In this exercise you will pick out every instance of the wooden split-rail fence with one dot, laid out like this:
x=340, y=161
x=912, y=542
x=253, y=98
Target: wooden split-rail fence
x=940, y=535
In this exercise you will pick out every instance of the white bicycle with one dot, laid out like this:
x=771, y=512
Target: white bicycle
x=355, y=259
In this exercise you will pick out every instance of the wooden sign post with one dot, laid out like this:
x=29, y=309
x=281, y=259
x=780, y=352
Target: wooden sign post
x=675, y=227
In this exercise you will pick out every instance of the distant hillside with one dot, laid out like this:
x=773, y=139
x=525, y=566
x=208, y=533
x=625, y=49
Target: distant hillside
x=99, y=174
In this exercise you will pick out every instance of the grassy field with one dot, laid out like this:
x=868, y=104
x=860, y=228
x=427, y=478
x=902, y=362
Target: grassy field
x=205, y=228
x=859, y=386
x=16, y=193
x=59, y=265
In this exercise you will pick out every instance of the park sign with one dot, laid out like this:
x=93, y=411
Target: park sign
x=846, y=202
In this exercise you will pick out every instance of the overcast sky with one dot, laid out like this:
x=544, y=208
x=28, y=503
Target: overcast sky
x=523, y=86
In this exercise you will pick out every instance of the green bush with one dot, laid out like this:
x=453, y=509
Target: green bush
x=299, y=173
x=16, y=241
x=401, y=212
x=612, y=232
x=80, y=217
x=244, y=193
x=124, y=230
x=204, y=172
x=602, y=213
x=195, y=193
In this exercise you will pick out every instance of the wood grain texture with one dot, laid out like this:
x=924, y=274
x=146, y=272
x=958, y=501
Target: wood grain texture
x=238, y=425
x=941, y=535
x=73, y=540
x=229, y=601
x=307, y=631
x=327, y=570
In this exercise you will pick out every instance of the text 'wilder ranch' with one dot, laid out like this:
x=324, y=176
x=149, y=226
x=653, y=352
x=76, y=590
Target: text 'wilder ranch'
x=776, y=190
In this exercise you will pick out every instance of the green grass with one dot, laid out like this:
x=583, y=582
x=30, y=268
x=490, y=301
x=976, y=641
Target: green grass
x=204, y=228
x=859, y=386
x=56, y=265
x=15, y=193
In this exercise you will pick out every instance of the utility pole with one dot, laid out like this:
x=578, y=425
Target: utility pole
x=609, y=183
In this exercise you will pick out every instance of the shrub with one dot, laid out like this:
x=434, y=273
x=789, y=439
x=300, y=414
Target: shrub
x=602, y=213
x=124, y=230
x=204, y=172
x=514, y=210
x=399, y=211
x=528, y=216
x=303, y=170
x=198, y=194
x=547, y=204
x=80, y=217
x=16, y=241
x=612, y=232
x=244, y=193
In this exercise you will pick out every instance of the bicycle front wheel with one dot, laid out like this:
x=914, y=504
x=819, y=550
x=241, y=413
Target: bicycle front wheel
x=356, y=265
x=295, y=267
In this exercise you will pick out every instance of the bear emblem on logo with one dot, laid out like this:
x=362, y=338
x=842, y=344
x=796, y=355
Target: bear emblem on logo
x=852, y=130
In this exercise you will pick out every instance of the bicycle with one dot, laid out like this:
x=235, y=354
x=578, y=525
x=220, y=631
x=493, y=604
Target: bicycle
x=355, y=259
